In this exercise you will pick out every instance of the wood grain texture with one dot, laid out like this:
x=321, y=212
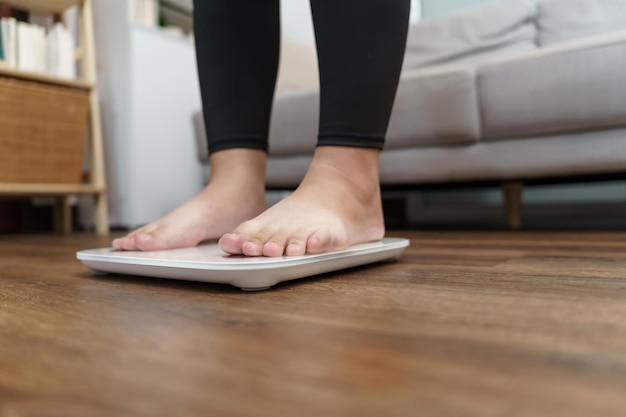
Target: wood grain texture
x=47, y=189
x=43, y=78
x=42, y=132
x=465, y=324
x=55, y=6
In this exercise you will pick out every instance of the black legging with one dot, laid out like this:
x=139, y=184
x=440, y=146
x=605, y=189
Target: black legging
x=360, y=46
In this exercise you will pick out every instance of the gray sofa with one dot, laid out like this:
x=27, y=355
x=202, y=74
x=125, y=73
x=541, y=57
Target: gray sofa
x=505, y=92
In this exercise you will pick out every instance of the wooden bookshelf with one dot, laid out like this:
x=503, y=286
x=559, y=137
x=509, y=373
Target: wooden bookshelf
x=37, y=85
x=44, y=6
x=47, y=189
x=43, y=78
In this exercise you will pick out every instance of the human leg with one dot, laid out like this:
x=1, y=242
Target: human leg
x=237, y=45
x=338, y=203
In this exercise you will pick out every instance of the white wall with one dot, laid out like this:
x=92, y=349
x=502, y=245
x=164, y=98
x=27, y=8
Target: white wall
x=296, y=21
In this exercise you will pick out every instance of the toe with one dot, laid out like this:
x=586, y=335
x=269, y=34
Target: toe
x=319, y=241
x=274, y=247
x=128, y=243
x=251, y=239
x=234, y=242
x=142, y=230
x=117, y=244
x=231, y=243
x=296, y=246
x=149, y=242
x=252, y=247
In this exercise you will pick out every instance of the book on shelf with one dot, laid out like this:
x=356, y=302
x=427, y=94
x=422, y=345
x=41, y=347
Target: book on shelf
x=1, y=48
x=8, y=27
x=146, y=12
x=34, y=48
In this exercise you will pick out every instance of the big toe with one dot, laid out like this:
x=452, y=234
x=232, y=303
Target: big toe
x=149, y=242
x=232, y=243
x=127, y=243
x=323, y=241
x=117, y=244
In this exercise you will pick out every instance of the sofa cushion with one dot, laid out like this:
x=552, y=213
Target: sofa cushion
x=580, y=153
x=298, y=69
x=202, y=145
x=294, y=123
x=569, y=87
x=564, y=20
x=293, y=128
x=435, y=107
x=471, y=35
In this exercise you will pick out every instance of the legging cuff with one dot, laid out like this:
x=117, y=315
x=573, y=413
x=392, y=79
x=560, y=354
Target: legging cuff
x=238, y=143
x=355, y=140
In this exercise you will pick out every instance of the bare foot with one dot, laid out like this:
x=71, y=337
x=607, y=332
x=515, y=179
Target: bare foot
x=235, y=193
x=338, y=204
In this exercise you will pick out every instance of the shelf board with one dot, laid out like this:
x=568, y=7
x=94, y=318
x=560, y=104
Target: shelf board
x=47, y=189
x=32, y=76
x=47, y=6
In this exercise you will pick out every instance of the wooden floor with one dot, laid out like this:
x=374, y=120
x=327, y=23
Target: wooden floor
x=465, y=324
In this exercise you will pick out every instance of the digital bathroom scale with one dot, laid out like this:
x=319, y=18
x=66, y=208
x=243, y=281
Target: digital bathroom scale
x=208, y=263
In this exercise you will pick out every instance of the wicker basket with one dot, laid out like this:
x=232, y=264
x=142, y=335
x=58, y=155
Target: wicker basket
x=42, y=132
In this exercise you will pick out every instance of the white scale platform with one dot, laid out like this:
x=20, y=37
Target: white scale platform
x=208, y=263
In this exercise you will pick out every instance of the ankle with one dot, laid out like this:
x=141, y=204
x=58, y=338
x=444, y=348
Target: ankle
x=356, y=166
x=238, y=165
x=238, y=171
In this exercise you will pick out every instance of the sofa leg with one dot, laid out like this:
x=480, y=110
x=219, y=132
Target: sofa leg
x=512, y=193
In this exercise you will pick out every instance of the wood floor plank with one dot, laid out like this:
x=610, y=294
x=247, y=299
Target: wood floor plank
x=464, y=324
